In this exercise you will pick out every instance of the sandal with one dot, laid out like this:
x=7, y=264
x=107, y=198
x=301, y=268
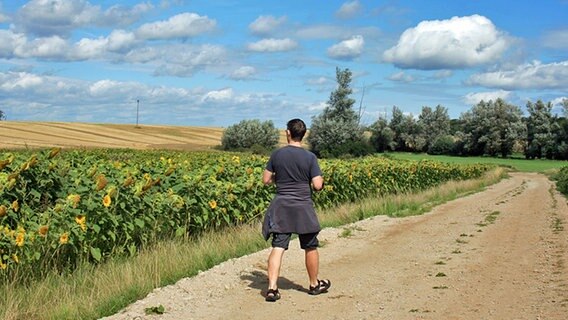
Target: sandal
x=272, y=295
x=321, y=287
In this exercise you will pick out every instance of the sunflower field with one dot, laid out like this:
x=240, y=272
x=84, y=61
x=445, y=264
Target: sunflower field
x=59, y=208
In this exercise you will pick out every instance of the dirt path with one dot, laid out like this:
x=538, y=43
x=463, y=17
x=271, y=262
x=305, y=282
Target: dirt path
x=498, y=254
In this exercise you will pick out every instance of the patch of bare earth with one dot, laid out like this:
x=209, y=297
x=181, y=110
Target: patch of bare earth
x=497, y=254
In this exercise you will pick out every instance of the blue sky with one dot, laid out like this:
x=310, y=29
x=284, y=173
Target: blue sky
x=215, y=63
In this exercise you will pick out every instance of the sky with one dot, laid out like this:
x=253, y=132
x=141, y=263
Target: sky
x=218, y=62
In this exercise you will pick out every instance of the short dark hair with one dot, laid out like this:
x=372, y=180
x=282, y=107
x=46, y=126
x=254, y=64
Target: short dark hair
x=297, y=129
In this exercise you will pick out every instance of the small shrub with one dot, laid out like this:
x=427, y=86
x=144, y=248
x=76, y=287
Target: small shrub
x=443, y=144
x=248, y=133
x=562, y=180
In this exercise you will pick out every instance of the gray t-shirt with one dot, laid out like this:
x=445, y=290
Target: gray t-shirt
x=294, y=168
x=292, y=209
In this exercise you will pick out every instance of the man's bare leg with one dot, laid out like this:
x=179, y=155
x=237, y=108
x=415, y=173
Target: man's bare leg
x=274, y=265
x=312, y=265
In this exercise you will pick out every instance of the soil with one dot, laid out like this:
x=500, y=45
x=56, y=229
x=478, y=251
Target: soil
x=497, y=254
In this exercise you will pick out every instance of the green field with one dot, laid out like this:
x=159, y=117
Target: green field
x=518, y=164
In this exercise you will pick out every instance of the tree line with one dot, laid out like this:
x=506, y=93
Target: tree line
x=490, y=128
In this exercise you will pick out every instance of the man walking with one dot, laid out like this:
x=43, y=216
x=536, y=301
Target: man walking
x=295, y=171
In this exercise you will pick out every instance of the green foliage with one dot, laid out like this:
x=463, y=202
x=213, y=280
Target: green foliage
x=432, y=124
x=443, y=144
x=540, y=127
x=336, y=131
x=382, y=137
x=249, y=133
x=491, y=128
x=59, y=209
x=562, y=180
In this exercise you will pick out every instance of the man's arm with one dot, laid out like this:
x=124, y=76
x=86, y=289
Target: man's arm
x=267, y=177
x=317, y=183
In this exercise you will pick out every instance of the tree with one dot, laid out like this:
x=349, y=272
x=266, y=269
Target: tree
x=405, y=129
x=382, y=137
x=540, y=141
x=491, y=128
x=249, y=133
x=2, y=115
x=336, y=131
x=432, y=124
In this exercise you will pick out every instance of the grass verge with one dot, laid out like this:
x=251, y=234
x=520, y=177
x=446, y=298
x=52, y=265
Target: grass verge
x=92, y=292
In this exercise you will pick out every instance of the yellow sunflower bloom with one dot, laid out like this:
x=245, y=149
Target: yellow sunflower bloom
x=15, y=206
x=74, y=199
x=15, y=258
x=107, y=201
x=81, y=221
x=213, y=204
x=2, y=211
x=43, y=230
x=64, y=238
x=20, y=237
x=3, y=266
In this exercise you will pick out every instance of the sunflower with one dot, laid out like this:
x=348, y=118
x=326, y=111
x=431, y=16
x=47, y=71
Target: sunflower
x=107, y=201
x=15, y=206
x=213, y=204
x=81, y=221
x=43, y=230
x=2, y=211
x=20, y=239
x=74, y=199
x=101, y=182
x=64, y=238
x=15, y=258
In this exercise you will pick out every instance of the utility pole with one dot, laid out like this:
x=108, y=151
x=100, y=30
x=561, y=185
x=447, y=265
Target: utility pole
x=137, y=109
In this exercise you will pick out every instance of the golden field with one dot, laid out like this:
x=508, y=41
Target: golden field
x=16, y=135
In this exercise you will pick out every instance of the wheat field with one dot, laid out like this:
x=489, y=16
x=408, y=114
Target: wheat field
x=33, y=135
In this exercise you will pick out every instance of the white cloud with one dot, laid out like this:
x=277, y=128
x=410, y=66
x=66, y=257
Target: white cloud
x=349, y=10
x=273, y=45
x=121, y=15
x=52, y=47
x=533, y=75
x=559, y=101
x=219, y=95
x=556, y=39
x=19, y=81
x=56, y=17
x=401, y=77
x=60, y=17
x=183, y=25
x=460, y=42
x=475, y=98
x=243, y=73
x=347, y=49
x=264, y=25
x=317, y=106
x=9, y=41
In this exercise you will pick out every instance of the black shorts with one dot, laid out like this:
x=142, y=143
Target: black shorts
x=307, y=241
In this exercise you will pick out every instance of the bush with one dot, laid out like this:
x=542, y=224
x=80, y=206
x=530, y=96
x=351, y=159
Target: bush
x=562, y=181
x=443, y=144
x=249, y=133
